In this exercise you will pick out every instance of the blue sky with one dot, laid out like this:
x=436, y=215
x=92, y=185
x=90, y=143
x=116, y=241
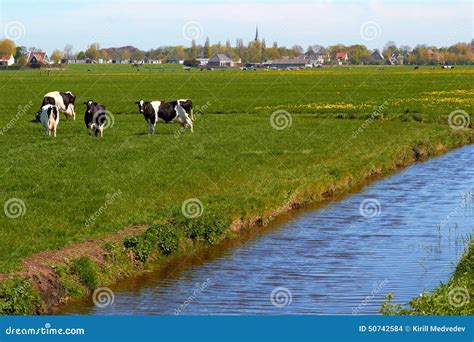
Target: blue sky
x=148, y=24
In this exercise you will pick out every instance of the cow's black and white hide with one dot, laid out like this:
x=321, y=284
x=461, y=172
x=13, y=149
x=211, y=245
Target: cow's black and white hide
x=49, y=118
x=64, y=101
x=95, y=118
x=180, y=111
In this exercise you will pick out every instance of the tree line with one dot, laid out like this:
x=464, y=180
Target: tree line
x=258, y=51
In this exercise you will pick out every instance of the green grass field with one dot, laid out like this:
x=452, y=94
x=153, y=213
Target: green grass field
x=235, y=163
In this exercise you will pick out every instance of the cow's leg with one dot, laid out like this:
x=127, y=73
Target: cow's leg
x=151, y=128
x=189, y=122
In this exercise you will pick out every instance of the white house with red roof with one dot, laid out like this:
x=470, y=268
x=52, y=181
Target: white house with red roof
x=7, y=60
x=341, y=57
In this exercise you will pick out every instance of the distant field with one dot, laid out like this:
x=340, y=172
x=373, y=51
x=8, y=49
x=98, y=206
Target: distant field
x=235, y=163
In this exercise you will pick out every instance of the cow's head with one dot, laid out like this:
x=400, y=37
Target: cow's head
x=141, y=106
x=90, y=106
x=71, y=96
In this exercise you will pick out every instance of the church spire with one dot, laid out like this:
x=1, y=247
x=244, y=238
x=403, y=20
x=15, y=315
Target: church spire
x=256, y=33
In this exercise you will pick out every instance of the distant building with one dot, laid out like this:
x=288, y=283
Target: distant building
x=120, y=61
x=289, y=63
x=7, y=60
x=38, y=58
x=396, y=59
x=376, y=56
x=341, y=57
x=220, y=60
x=316, y=59
x=73, y=61
x=202, y=61
x=175, y=61
x=151, y=61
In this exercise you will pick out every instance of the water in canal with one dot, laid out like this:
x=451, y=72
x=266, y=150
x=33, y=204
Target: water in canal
x=401, y=234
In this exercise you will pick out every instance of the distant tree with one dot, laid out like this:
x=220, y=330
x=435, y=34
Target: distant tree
x=319, y=49
x=333, y=49
x=194, y=50
x=191, y=63
x=68, y=51
x=104, y=54
x=7, y=47
x=20, y=51
x=81, y=55
x=359, y=54
x=264, y=50
x=180, y=52
x=56, y=56
x=92, y=51
x=207, y=48
x=22, y=60
x=405, y=49
x=389, y=49
x=125, y=54
x=137, y=55
x=309, y=50
x=297, y=49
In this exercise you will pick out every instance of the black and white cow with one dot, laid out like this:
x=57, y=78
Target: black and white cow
x=49, y=118
x=180, y=111
x=95, y=118
x=64, y=102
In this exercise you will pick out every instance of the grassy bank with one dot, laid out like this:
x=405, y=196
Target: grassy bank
x=236, y=169
x=451, y=298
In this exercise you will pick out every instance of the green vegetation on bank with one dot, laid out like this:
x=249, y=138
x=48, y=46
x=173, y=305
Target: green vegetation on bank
x=451, y=298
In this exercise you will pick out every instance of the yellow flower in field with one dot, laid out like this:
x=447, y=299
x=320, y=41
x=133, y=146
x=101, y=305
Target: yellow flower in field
x=451, y=92
x=317, y=106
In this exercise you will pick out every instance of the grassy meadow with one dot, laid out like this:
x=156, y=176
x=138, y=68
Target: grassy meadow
x=236, y=163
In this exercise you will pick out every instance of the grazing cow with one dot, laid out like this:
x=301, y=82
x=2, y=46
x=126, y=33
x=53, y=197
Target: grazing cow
x=180, y=111
x=64, y=102
x=49, y=117
x=95, y=118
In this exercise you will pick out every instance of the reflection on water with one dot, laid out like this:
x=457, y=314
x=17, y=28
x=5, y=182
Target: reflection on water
x=402, y=234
